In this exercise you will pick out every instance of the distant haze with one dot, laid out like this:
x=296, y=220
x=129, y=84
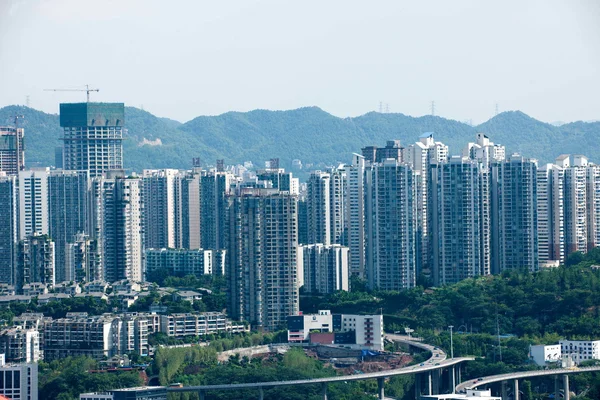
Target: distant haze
x=181, y=59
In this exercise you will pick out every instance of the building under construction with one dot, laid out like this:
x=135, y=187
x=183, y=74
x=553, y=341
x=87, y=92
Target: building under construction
x=93, y=136
x=12, y=156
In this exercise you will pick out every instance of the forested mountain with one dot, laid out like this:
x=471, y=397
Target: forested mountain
x=309, y=134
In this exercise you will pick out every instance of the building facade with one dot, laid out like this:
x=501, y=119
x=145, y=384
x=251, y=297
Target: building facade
x=182, y=262
x=93, y=136
x=67, y=210
x=33, y=202
x=262, y=268
x=9, y=225
x=36, y=262
x=12, y=154
x=391, y=226
x=122, y=236
x=514, y=215
x=459, y=220
x=18, y=381
x=325, y=268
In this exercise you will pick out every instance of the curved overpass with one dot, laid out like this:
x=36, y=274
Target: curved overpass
x=438, y=361
x=515, y=376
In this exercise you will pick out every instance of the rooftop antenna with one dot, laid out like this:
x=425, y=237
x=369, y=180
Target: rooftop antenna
x=433, y=108
x=87, y=90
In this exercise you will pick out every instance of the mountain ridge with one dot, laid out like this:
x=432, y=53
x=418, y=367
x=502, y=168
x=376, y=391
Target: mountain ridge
x=310, y=134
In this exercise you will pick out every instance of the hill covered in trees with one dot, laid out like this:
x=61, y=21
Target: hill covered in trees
x=309, y=134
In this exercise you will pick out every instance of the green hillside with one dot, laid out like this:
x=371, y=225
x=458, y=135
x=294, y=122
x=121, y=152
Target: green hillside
x=309, y=134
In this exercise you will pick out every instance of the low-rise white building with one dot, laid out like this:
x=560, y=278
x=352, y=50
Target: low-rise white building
x=474, y=394
x=542, y=354
x=580, y=350
x=18, y=381
x=368, y=329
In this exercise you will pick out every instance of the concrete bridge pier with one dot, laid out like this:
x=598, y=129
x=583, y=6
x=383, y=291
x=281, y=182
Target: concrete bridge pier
x=458, y=371
x=452, y=379
x=566, y=387
x=201, y=395
x=429, y=384
x=504, y=390
x=516, y=389
x=261, y=393
x=324, y=390
x=556, y=387
x=436, y=381
x=381, y=388
x=417, y=386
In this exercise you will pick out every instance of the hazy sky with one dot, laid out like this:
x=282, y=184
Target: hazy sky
x=181, y=59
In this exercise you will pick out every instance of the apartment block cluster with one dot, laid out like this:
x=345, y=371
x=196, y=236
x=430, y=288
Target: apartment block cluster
x=567, y=353
x=390, y=216
x=353, y=331
x=34, y=337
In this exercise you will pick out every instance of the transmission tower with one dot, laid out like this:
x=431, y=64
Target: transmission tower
x=433, y=108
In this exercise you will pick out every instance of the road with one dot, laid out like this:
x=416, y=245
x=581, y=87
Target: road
x=437, y=361
x=472, y=384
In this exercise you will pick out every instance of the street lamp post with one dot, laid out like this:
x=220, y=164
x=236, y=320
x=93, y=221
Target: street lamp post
x=451, y=343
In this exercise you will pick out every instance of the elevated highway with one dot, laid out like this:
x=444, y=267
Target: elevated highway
x=515, y=376
x=438, y=361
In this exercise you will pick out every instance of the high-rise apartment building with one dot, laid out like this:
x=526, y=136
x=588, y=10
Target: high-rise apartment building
x=33, y=202
x=593, y=205
x=9, y=223
x=325, y=267
x=93, y=136
x=581, y=202
x=67, y=210
x=355, y=214
x=514, y=214
x=215, y=186
x=159, y=207
x=187, y=210
x=337, y=199
x=551, y=214
x=262, y=269
x=122, y=237
x=419, y=156
x=318, y=208
x=36, y=261
x=459, y=220
x=390, y=216
x=575, y=196
x=12, y=155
